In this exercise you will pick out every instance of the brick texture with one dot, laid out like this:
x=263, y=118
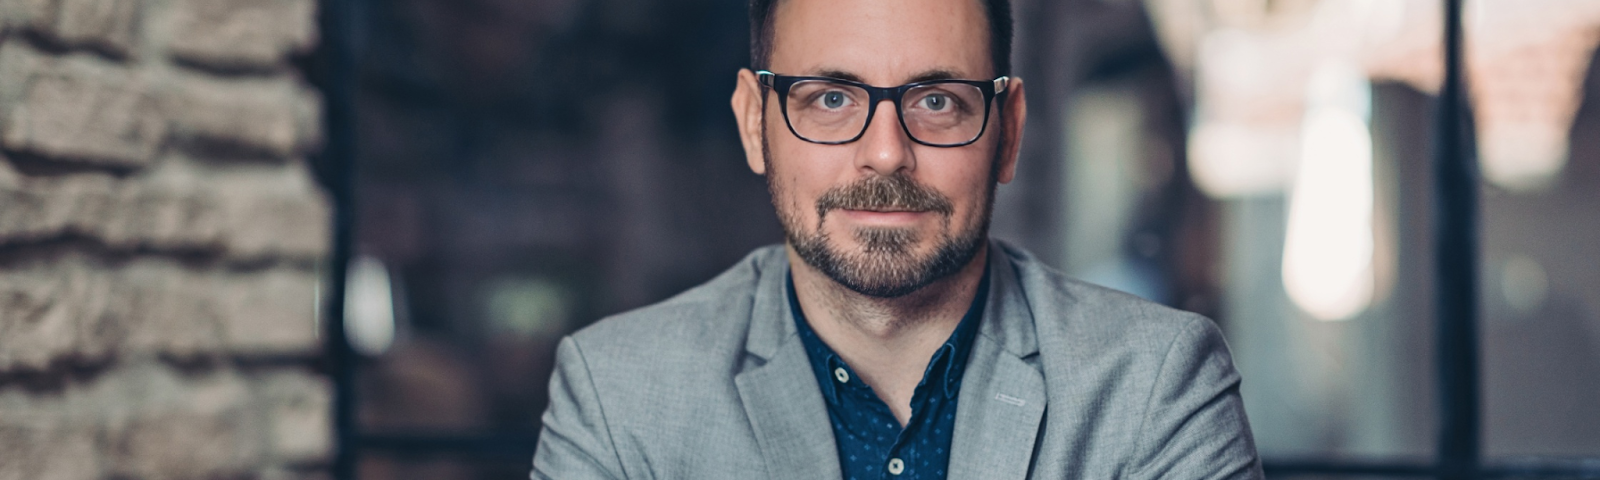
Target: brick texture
x=246, y=218
x=107, y=24
x=254, y=34
x=110, y=26
x=272, y=313
x=190, y=429
x=73, y=311
x=265, y=116
x=297, y=409
x=40, y=324
x=36, y=15
x=77, y=108
x=274, y=217
x=43, y=444
x=160, y=242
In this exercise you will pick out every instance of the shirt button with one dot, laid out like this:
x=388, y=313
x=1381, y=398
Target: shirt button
x=896, y=466
x=841, y=375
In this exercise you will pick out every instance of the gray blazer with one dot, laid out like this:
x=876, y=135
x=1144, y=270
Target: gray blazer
x=1066, y=380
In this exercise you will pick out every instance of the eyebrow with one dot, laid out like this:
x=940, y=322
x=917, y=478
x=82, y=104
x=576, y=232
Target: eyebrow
x=924, y=76
x=934, y=74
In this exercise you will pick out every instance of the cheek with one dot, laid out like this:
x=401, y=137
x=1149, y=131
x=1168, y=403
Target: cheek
x=792, y=189
x=802, y=168
x=966, y=179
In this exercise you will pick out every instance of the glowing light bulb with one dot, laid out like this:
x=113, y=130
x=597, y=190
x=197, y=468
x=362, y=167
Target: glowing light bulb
x=1327, y=256
x=369, y=307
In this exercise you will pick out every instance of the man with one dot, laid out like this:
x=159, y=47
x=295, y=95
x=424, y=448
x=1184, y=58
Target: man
x=889, y=338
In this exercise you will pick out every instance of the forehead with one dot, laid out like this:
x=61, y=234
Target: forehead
x=884, y=42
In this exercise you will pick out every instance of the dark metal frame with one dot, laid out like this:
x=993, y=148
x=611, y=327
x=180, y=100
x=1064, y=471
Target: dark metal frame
x=1455, y=239
x=338, y=66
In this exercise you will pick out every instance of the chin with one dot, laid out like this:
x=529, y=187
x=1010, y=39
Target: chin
x=888, y=263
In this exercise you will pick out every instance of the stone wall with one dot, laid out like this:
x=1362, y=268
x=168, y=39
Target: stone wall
x=161, y=239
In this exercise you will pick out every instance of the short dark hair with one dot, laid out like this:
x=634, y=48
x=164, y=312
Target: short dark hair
x=999, y=33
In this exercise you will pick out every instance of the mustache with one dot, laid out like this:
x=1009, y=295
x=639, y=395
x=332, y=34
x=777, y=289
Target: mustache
x=884, y=193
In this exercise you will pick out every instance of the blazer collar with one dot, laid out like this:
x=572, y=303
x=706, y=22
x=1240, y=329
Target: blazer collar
x=999, y=418
x=787, y=414
x=770, y=324
x=780, y=394
x=1008, y=316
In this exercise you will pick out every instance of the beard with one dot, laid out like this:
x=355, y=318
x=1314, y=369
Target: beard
x=886, y=265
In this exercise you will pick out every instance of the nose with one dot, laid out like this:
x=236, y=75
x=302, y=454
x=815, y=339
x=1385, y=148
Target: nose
x=884, y=148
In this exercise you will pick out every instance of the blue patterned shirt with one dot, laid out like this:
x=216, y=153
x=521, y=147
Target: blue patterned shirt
x=871, y=443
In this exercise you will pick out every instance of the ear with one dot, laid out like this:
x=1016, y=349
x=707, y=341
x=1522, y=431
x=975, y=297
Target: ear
x=748, y=111
x=1014, y=115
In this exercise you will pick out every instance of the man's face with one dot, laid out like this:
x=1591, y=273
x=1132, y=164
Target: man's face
x=882, y=215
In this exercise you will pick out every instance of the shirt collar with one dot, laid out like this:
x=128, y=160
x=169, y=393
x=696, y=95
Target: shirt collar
x=946, y=367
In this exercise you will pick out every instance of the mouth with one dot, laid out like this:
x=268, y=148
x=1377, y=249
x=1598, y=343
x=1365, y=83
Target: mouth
x=883, y=210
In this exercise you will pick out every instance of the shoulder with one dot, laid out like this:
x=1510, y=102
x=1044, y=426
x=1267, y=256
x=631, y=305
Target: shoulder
x=710, y=319
x=1124, y=368
x=1091, y=318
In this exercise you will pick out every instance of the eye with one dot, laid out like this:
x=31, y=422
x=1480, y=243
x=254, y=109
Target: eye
x=833, y=100
x=936, y=102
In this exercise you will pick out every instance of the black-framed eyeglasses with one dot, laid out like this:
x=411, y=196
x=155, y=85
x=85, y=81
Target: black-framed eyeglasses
x=936, y=113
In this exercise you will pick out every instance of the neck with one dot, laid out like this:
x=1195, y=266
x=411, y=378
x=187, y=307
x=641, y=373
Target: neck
x=887, y=341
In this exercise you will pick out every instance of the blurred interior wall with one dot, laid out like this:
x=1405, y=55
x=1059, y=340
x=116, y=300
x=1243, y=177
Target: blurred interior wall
x=1366, y=385
x=1359, y=386
x=1540, y=280
x=1360, y=379
x=1103, y=189
x=161, y=240
x=525, y=168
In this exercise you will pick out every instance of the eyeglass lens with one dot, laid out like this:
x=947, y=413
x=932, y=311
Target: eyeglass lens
x=938, y=113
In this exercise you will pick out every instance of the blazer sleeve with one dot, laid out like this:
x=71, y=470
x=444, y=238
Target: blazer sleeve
x=1194, y=424
x=575, y=442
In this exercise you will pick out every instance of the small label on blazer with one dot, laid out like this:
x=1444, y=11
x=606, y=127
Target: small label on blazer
x=1010, y=399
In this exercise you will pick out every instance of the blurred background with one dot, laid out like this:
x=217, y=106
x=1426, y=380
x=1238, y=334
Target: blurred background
x=526, y=167
x=173, y=174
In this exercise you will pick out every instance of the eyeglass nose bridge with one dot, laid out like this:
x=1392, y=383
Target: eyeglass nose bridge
x=878, y=95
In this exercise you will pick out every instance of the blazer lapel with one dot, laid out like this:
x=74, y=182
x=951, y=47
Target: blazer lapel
x=781, y=396
x=1002, y=395
x=789, y=417
x=997, y=420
